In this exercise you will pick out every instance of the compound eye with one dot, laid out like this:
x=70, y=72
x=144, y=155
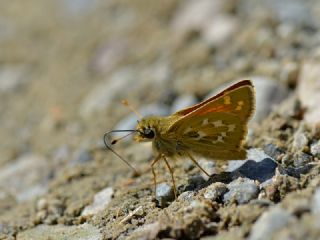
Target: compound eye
x=148, y=133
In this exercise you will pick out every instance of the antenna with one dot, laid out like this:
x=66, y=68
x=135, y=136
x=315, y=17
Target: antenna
x=126, y=103
x=105, y=139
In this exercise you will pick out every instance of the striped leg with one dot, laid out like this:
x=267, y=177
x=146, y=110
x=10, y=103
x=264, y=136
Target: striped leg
x=198, y=165
x=172, y=177
x=154, y=173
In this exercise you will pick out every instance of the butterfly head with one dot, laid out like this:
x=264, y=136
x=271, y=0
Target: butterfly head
x=146, y=130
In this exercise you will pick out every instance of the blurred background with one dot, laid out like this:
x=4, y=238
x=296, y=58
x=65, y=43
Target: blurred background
x=65, y=66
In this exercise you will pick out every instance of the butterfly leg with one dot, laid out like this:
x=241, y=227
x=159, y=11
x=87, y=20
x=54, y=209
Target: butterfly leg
x=196, y=163
x=154, y=173
x=172, y=177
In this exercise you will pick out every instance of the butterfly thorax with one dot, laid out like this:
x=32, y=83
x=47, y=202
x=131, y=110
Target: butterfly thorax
x=155, y=129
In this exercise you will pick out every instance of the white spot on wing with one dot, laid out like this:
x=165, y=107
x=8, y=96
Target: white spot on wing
x=218, y=123
x=205, y=121
x=201, y=135
x=240, y=104
x=231, y=127
x=227, y=100
x=219, y=139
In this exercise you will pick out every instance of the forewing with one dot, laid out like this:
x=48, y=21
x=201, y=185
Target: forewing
x=241, y=91
x=217, y=127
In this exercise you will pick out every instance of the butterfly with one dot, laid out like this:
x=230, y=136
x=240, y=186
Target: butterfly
x=214, y=128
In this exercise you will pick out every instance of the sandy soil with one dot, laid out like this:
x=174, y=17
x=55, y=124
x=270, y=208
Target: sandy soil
x=66, y=65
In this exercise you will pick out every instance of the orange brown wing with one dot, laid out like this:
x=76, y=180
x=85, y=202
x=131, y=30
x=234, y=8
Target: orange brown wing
x=238, y=99
x=217, y=127
x=243, y=83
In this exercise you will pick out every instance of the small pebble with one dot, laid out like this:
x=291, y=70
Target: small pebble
x=295, y=171
x=315, y=149
x=193, y=16
x=42, y=204
x=56, y=206
x=301, y=159
x=40, y=216
x=187, y=196
x=268, y=223
x=82, y=156
x=219, y=30
x=12, y=77
x=109, y=55
x=300, y=140
x=242, y=190
x=215, y=191
x=315, y=206
x=273, y=150
x=164, y=194
x=100, y=201
x=194, y=205
x=285, y=30
x=139, y=212
x=287, y=159
x=61, y=153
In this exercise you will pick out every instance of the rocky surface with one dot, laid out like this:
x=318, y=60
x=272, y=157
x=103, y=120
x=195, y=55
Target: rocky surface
x=65, y=67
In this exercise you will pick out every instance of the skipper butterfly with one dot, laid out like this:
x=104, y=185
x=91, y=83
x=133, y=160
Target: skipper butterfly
x=214, y=128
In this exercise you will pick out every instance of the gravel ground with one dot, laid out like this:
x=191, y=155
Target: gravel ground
x=66, y=65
